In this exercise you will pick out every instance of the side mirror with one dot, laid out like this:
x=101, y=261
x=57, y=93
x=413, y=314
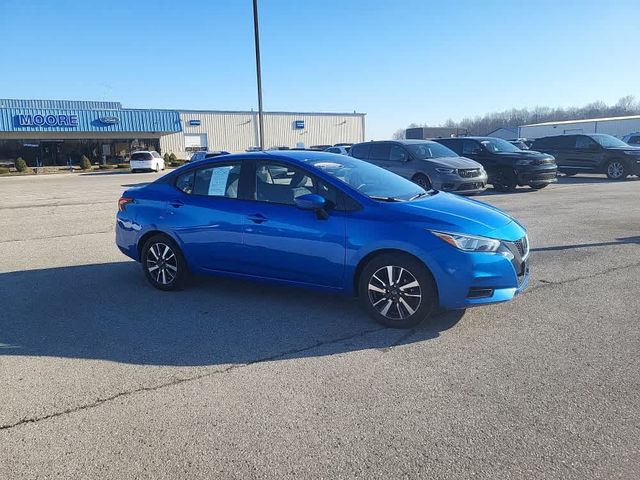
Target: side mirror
x=312, y=201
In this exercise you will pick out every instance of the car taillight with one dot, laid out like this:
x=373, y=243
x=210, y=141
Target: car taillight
x=123, y=202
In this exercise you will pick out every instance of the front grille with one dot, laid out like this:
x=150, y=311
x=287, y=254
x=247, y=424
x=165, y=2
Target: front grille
x=522, y=246
x=469, y=172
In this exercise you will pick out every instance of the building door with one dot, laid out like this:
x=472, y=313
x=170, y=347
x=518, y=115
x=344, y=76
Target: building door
x=51, y=153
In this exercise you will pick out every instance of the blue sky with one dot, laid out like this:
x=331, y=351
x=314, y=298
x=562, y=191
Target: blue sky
x=398, y=61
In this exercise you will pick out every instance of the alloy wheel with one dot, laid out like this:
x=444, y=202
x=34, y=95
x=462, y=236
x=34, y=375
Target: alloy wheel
x=394, y=292
x=615, y=170
x=162, y=263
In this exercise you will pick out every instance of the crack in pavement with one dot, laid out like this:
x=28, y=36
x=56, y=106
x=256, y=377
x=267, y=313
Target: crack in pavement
x=549, y=283
x=56, y=236
x=180, y=381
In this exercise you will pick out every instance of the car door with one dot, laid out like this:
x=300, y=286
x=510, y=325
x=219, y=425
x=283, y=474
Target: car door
x=206, y=214
x=284, y=242
x=587, y=154
x=400, y=161
x=475, y=151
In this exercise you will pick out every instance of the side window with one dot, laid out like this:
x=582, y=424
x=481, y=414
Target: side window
x=333, y=150
x=469, y=147
x=283, y=184
x=361, y=151
x=217, y=181
x=585, y=143
x=155, y=154
x=380, y=151
x=398, y=154
x=185, y=182
x=634, y=140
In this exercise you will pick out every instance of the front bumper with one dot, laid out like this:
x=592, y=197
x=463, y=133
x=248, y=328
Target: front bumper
x=454, y=183
x=469, y=279
x=538, y=175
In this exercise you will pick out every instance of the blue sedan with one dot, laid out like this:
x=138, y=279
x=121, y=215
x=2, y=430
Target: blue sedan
x=329, y=222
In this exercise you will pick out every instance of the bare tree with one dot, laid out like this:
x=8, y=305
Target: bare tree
x=481, y=125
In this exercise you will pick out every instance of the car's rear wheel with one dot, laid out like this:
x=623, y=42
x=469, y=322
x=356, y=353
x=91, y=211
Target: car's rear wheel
x=163, y=263
x=505, y=181
x=397, y=290
x=422, y=180
x=616, y=170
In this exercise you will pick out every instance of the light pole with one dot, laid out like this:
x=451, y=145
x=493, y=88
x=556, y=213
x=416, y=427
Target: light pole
x=258, y=74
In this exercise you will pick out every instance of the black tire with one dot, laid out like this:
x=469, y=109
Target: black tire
x=504, y=181
x=392, y=301
x=157, y=169
x=134, y=170
x=539, y=186
x=617, y=170
x=164, y=269
x=422, y=180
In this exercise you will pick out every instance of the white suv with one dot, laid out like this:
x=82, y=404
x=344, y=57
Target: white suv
x=146, y=160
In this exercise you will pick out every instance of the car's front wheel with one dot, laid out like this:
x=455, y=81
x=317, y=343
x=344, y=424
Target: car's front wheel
x=616, y=170
x=163, y=263
x=422, y=180
x=397, y=290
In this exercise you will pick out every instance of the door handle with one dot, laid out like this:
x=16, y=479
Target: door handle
x=257, y=218
x=176, y=203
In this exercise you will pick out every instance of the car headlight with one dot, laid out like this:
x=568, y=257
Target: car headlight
x=468, y=243
x=523, y=163
x=445, y=170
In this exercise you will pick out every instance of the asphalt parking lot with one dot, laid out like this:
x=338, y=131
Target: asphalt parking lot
x=104, y=377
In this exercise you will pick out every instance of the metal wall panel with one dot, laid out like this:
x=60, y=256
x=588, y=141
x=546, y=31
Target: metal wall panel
x=129, y=120
x=237, y=131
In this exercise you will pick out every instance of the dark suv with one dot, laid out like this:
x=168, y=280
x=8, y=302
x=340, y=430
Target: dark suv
x=429, y=164
x=594, y=153
x=506, y=165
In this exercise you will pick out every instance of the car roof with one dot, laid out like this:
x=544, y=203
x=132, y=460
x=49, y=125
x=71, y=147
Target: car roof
x=403, y=141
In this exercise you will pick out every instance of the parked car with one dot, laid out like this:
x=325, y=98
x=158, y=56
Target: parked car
x=331, y=222
x=632, y=139
x=506, y=165
x=595, y=153
x=339, y=150
x=320, y=148
x=426, y=163
x=201, y=155
x=146, y=160
x=347, y=144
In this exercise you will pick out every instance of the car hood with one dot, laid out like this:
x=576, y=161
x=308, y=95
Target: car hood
x=456, y=214
x=525, y=155
x=630, y=148
x=454, y=162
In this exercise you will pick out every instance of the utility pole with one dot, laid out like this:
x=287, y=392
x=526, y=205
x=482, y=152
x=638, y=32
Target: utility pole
x=258, y=74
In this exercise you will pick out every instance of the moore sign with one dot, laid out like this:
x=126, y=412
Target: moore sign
x=38, y=120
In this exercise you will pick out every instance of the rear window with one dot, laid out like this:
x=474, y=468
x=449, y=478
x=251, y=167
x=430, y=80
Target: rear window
x=141, y=156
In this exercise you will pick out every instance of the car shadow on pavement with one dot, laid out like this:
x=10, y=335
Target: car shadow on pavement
x=591, y=178
x=109, y=312
x=617, y=241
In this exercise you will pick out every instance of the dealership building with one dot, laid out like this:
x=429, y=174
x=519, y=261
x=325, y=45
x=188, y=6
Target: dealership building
x=56, y=131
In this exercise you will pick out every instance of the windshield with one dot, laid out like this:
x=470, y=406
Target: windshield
x=496, y=145
x=429, y=150
x=368, y=179
x=608, y=140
